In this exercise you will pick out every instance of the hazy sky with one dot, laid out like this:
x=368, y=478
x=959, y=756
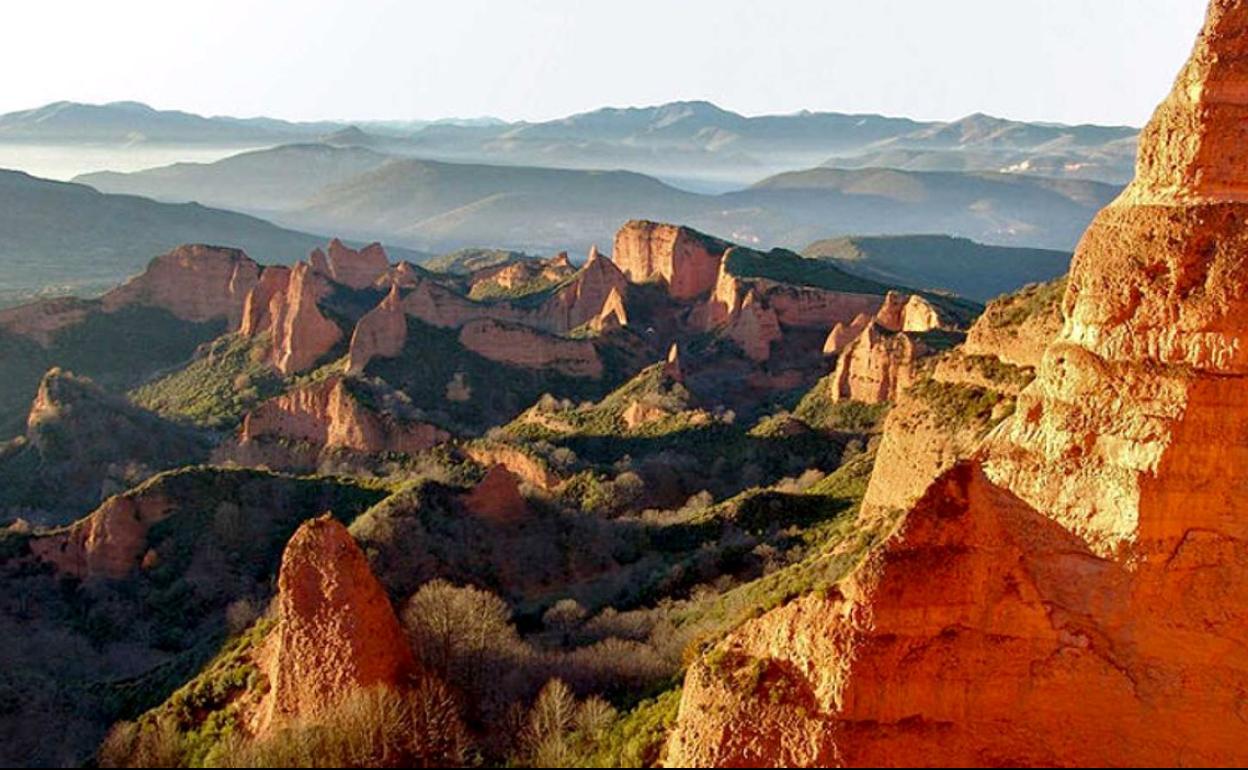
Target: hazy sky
x=1107, y=61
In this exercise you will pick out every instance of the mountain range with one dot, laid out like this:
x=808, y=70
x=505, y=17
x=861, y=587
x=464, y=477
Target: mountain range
x=695, y=144
x=438, y=206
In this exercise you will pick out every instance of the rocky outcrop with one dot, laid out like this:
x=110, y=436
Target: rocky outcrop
x=595, y=295
x=672, y=367
x=42, y=321
x=1018, y=327
x=912, y=313
x=193, y=282
x=284, y=305
x=301, y=334
x=264, y=302
x=522, y=346
x=82, y=445
x=794, y=305
x=686, y=260
x=437, y=305
x=1081, y=583
x=336, y=631
x=381, y=333
x=920, y=315
x=532, y=469
x=877, y=365
x=356, y=269
x=754, y=327
x=521, y=274
x=891, y=315
x=328, y=415
x=613, y=314
x=842, y=334
x=497, y=497
x=110, y=543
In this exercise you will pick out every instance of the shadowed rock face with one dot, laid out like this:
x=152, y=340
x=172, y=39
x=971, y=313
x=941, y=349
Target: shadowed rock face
x=381, y=333
x=497, y=498
x=1077, y=594
x=336, y=631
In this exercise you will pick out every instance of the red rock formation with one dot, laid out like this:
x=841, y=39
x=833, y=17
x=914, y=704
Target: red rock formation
x=842, y=334
x=595, y=294
x=327, y=415
x=891, y=314
x=561, y=261
x=794, y=306
x=336, y=630
x=1014, y=331
x=1078, y=594
x=194, y=283
x=920, y=315
x=405, y=275
x=41, y=321
x=497, y=497
x=357, y=269
x=437, y=305
x=107, y=544
x=613, y=314
x=526, y=347
x=686, y=260
x=381, y=333
x=672, y=367
x=302, y=335
x=531, y=469
x=264, y=302
x=876, y=366
x=754, y=327
x=320, y=263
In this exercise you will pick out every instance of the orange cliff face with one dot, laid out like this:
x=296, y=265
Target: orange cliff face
x=326, y=415
x=529, y=348
x=877, y=365
x=686, y=260
x=497, y=497
x=194, y=283
x=594, y=295
x=109, y=543
x=1077, y=594
x=381, y=333
x=356, y=269
x=336, y=630
x=283, y=304
x=794, y=305
x=754, y=327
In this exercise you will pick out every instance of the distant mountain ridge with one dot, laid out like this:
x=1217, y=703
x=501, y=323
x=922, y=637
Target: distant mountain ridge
x=694, y=141
x=440, y=206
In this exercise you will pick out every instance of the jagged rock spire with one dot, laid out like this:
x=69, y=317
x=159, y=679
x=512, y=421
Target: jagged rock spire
x=1196, y=145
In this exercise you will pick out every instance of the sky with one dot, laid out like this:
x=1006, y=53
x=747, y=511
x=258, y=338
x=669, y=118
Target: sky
x=1072, y=61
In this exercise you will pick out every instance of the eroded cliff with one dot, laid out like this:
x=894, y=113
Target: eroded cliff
x=1075, y=594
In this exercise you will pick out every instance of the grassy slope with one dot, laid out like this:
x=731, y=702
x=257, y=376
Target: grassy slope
x=959, y=265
